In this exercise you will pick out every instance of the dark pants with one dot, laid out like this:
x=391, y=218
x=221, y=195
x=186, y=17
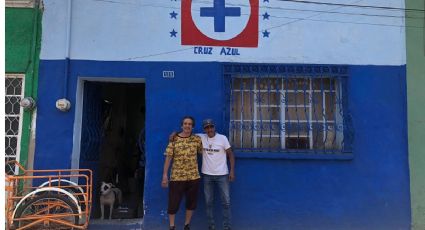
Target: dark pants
x=178, y=189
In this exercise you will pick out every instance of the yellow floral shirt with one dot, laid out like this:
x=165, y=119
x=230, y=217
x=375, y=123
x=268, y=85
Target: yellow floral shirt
x=184, y=152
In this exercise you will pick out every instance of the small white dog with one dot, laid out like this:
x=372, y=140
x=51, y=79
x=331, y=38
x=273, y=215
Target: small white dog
x=108, y=194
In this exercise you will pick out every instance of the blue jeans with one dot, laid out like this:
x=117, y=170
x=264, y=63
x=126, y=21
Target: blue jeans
x=222, y=183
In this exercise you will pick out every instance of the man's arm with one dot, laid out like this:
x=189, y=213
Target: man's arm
x=200, y=146
x=231, y=157
x=172, y=136
x=167, y=162
x=169, y=155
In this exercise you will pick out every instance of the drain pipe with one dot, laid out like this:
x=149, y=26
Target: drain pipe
x=64, y=104
x=29, y=101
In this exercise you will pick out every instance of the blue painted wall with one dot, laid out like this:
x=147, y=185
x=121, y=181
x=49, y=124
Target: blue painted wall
x=371, y=191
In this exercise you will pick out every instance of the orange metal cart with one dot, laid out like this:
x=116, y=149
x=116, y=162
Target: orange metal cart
x=47, y=199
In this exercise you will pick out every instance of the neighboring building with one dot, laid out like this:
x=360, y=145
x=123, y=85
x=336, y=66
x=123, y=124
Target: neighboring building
x=311, y=96
x=415, y=38
x=23, y=32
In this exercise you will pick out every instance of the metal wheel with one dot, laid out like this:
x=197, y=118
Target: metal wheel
x=72, y=188
x=47, y=211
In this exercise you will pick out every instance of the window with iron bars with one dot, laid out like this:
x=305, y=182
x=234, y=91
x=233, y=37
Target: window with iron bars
x=288, y=109
x=14, y=91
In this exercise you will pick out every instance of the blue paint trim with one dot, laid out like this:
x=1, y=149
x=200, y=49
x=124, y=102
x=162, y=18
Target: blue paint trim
x=403, y=87
x=369, y=191
x=295, y=156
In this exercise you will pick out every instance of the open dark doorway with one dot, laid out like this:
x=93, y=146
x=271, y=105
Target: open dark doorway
x=113, y=143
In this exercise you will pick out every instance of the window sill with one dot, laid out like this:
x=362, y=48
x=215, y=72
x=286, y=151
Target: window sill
x=295, y=155
x=20, y=3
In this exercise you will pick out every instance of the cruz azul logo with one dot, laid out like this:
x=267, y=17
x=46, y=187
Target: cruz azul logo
x=232, y=23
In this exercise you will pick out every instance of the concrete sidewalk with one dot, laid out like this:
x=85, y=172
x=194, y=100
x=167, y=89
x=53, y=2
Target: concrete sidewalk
x=116, y=224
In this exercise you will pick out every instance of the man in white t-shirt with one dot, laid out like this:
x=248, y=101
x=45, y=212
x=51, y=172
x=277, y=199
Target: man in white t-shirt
x=216, y=151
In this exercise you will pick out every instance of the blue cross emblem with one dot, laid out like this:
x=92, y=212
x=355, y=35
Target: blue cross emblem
x=219, y=13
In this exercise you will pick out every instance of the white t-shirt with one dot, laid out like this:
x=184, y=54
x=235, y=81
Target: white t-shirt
x=214, y=157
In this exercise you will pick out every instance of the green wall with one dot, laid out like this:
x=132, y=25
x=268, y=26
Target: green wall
x=23, y=32
x=415, y=39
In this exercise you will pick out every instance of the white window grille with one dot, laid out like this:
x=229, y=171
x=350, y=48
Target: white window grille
x=276, y=113
x=14, y=91
x=288, y=108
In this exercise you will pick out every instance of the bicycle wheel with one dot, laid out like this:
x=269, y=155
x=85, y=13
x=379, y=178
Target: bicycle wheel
x=73, y=188
x=56, y=211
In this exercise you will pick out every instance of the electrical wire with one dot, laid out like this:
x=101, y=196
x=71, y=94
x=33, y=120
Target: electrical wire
x=347, y=13
x=345, y=22
x=320, y=11
x=157, y=54
x=324, y=12
x=295, y=1
x=353, y=5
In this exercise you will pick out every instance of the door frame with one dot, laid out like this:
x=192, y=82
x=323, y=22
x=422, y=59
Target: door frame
x=79, y=102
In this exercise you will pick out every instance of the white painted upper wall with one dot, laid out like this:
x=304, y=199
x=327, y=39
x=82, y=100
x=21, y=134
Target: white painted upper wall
x=139, y=30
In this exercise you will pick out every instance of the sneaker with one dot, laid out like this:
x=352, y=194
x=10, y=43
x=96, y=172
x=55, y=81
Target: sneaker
x=186, y=227
x=172, y=227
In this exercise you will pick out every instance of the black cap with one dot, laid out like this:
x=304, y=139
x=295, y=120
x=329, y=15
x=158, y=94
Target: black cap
x=207, y=122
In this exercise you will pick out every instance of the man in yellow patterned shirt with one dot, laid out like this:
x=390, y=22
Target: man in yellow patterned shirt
x=185, y=179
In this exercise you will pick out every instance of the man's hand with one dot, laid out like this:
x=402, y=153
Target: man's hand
x=164, y=182
x=231, y=157
x=232, y=176
x=172, y=137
